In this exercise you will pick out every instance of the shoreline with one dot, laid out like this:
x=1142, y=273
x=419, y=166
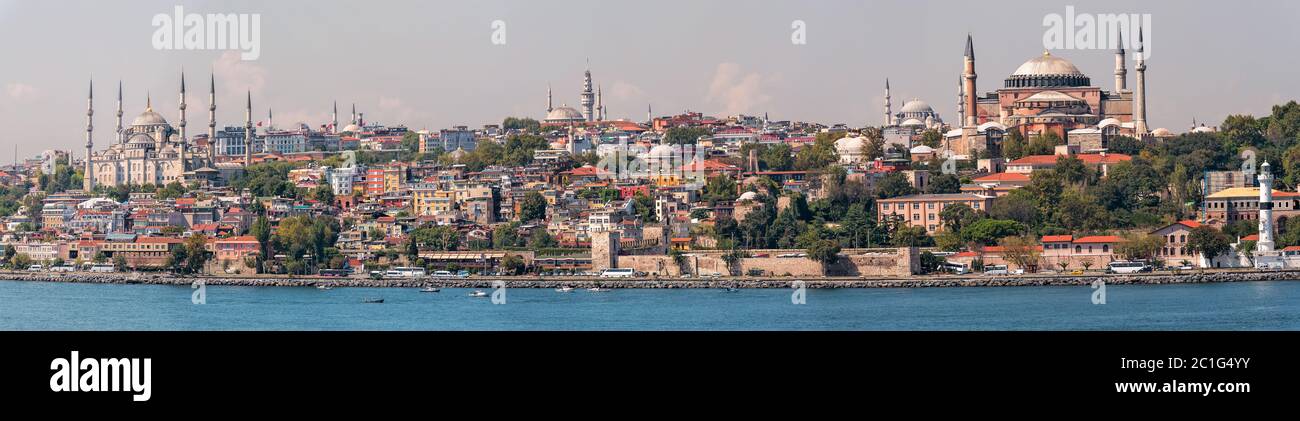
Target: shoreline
x=919, y=281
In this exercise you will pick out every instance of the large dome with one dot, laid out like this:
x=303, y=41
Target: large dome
x=564, y=114
x=1045, y=71
x=917, y=106
x=149, y=118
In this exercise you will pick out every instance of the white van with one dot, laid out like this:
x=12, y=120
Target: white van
x=617, y=273
x=1121, y=266
x=35, y=268
x=103, y=268
x=996, y=270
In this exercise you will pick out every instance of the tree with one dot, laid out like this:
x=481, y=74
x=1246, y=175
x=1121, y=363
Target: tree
x=1086, y=263
x=684, y=135
x=440, y=238
x=957, y=216
x=910, y=236
x=261, y=230
x=1139, y=247
x=932, y=138
x=1247, y=249
x=20, y=261
x=533, y=207
x=1209, y=242
x=191, y=255
x=990, y=231
x=1013, y=145
x=944, y=184
x=323, y=193
x=893, y=185
x=1021, y=251
x=512, y=264
x=825, y=252
x=719, y=188
x=119, y=262
x=541, y=239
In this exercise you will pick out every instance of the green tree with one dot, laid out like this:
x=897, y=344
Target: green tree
x=1208, y=242
x=533, y=207
x=990, y=231
x=932, y=138
x=1013, y=145
x=944, y=184
x=825, y=252
x=893, y=185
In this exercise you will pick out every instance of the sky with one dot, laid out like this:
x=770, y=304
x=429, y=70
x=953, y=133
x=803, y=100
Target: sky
x=433, y=64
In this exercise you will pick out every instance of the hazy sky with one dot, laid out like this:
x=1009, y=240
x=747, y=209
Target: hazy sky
x=431, y=64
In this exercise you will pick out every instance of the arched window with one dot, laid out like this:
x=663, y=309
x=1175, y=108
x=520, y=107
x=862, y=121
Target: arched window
x=1105, y=248
x=1078, y=249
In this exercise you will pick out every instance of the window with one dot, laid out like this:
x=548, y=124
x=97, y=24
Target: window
x=1078, y=249
x=1105, y=248
x=929, y=205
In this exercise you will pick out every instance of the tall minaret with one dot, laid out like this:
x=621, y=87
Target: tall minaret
x=649, y=115
x=1121, y=73
x=269, y=119
x=354, y=113
x=961, y=100
x=549, y=107
x=600, y=103
x=972, y=113
x=212, y=119
x=181, y=124
x=588, y=97
x=1265, y=178
x=334, y=118
x=120, y=138
x=889, y=106
x=248, y=131
x=88, y=177
x=1140, y=95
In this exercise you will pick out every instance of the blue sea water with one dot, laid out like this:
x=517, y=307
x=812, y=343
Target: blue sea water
x=1226, y=306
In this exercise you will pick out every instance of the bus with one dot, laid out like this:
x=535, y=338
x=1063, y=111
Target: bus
x=336, y=272
x=955, y=268
x=1120, y=266
x=996, y=270
x=405, y=272
x=618, y=273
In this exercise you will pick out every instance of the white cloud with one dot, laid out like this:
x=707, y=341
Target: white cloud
x=394, y=111
x=18, y=91
x=735, y=91
x=624, y=91
x=235, y=77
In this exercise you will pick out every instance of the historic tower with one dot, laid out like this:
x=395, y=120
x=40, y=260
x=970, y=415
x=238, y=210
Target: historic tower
x=1265, y=178
x=588, y=98
x=181, y=124
x=889, y=106
x=88, y=177
x=120, y=138
x=248, y=131
x=212, y=119
x=1121, y=73
x=1140, y=95
x=968, y=74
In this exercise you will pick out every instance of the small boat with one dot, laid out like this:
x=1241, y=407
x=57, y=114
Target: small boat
x=324, y=287
x=373, y=301
x=430, y=289
x=731, y=289
x=478, y=294
x=597, y=289
x=564, y=289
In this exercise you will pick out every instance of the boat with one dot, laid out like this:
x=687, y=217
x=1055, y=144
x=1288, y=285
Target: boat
x=597, y=289
x=430, y=289
x=564, y=289
x=478, y=294
x=373, y=301
x=731, y=289
x=324, y=287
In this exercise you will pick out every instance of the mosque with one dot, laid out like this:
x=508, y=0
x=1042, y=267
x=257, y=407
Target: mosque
x=593, y=107
x=1045, y=94
x=150, y=150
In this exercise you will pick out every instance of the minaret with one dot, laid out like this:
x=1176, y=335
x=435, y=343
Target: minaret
x=269, y=119
x=1140, y=95
x=1121, y=73
x=968, y=74
x=600, y=103
x=248, y=131
x=549, y=107
x=889, y=106
x=588, y=97
x=88, y=177
x=334, y=118
x=354, y=113
x=961, y=100
x=120, y=138
x=649, y=115
x=181, y=124
x=1265, y=178
x=212, y=119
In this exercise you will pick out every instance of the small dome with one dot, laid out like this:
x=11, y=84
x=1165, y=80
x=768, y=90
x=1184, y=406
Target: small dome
x=749, y=195
x=1161, y=132
x=564, y=114
x=351, y=128
x=921, y=149
x=139, y=140
x=850, y=145
x=912, y=122
x=1108, y=122
x=662, y=151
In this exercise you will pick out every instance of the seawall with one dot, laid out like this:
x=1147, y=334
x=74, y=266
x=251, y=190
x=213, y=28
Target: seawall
x=587, y=282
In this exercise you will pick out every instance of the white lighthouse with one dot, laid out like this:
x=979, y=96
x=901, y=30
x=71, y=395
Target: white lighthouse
x=1265, y=178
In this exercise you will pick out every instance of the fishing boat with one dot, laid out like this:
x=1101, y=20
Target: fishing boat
x=597, y=289
x=478, y=294
x=373, y=301
x=324, y=287
x=430, y=289
x=564, y=289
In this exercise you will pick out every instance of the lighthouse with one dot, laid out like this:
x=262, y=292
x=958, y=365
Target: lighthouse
x=1265, y=178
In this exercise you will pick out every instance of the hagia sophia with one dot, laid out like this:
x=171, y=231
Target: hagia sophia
x=1045, y=94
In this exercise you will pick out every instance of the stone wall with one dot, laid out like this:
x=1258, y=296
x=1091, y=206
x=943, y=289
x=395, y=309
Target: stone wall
x=853, y=262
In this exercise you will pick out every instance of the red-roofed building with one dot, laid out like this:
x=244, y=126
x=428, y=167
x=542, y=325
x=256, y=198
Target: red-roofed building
x=1100, y=161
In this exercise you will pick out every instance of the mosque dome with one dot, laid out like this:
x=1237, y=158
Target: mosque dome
x=850, y=145
x=149, y=118
x=139, y=140
x=662, y=152
x=351, y=128
x=1161, y=132
x=749, y=195
x=912, y=122
x=1047, y=70
x=917, y=106
x=564, y=114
